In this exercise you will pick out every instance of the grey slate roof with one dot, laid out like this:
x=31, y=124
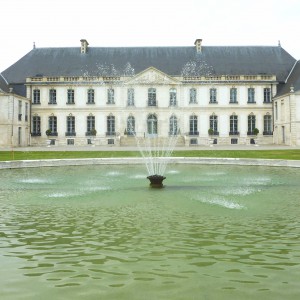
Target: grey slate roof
x=3, y=84
x=293, y=79
x=176, y=61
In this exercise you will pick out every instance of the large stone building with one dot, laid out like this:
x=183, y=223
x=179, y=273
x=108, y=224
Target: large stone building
x=101, y=95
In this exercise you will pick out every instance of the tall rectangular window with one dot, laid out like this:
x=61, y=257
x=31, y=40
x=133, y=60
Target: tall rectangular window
x=70, y=126
x=151, y=97
x=233, y=125
x=36, y=126
x=52, y=96
x=90, y=124
x=110, y=96
x=267, y=95
x=26, y=112
x=268, y=125
x=130, y=97
x=233, y=95
x=213, y=124
x=251, y=124
x=110, y=125
x=91, y=96
x=20, y=110
x=36, y=96
x=276, y=111
x=173, y=97
x=52, y=125
x=251, y=95
x=193, y=95
x=193, y=125
x=213, y=95
x=71, y=96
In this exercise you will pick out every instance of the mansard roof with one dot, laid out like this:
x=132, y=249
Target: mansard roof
x=293, y=80
x=174, y=61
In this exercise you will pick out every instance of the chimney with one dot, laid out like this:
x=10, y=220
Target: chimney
x=84, y=46
x=198, y=44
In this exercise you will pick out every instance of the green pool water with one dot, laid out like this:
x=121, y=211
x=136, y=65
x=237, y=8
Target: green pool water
x=100, y=232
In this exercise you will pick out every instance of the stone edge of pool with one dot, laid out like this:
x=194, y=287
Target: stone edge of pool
x=139, y=160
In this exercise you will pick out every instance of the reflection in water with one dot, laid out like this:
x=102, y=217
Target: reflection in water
x=91, y=234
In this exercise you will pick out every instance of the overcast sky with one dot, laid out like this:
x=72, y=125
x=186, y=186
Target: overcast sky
x=104, y=23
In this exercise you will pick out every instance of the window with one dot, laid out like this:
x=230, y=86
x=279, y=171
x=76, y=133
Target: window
x=173, y=100
x=193, y=125
x=213, y=124
x=233, y=95
x=276, y=111
x=234, y=141
x=173, y=129
x=90, y=96
x=26, y=112
x=36, y=96
x=20, y=110
x=233, y=125
x=267, y=95
x=36, y=126
x=130, y=97
x=268, y=125
x=193, y=95
x=71, y=97
x=152, y=124
x=251, y=124
x=151, y=97
x=52, y=96
x=110, y=96
x=130, y=125
x=213, y=95
x=70, y=126
x=90, y=125
x=52, y=125
x=110, y=122
x=70, y=141
x=251, y=95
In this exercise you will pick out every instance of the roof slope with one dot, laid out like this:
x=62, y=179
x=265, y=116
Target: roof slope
x=3, y=84
x=176, y=61
x=293, y=80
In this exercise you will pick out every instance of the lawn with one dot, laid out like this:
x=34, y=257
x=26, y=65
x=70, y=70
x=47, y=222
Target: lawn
x=257, y=154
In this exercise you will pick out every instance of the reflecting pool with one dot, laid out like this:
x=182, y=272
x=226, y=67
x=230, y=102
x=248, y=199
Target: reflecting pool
x=100, y=232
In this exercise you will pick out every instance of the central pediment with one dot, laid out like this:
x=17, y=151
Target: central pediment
x=152, y=76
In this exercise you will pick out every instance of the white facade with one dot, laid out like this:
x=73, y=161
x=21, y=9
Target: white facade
x=222, y=103
x=14, y=120
x=287, y=119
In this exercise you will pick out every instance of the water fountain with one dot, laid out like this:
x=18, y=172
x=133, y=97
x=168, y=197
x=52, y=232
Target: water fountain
x=156, y=153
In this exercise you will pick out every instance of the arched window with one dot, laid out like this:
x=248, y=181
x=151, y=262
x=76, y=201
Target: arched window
x=130, y=125
x=173, y=126
x=152, y=124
